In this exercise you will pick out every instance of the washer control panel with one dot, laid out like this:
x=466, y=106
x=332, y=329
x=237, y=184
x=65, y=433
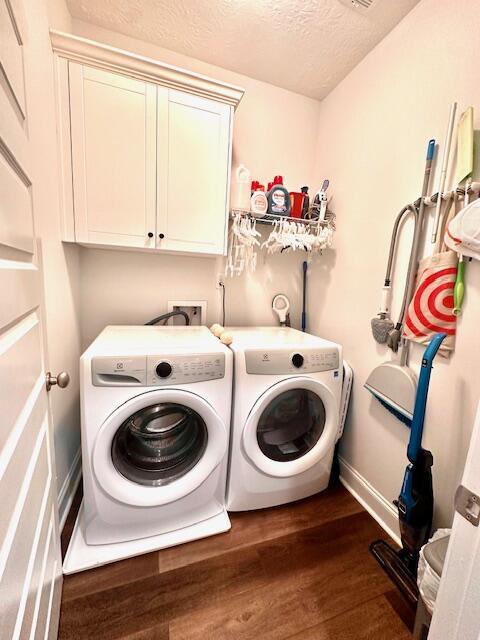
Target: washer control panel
x=274, y=362
x=182, y=369
x=118, y=371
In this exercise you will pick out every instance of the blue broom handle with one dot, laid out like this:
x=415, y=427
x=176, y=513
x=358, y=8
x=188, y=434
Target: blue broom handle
x=431, y=149
x=416, y=432
x=304, y=311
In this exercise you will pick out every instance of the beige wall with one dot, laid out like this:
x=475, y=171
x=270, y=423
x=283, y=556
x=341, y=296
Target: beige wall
x=369, y=137
x=374, y=128
x=275, y=132
x=60, y=262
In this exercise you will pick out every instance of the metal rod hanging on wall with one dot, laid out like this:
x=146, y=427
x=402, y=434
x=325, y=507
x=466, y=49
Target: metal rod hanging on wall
x=431, y=201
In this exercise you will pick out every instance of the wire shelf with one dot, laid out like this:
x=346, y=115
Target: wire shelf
x=287, y=234
x=271, y=218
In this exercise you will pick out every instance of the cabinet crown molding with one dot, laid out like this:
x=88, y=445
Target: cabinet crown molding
x=103, y=56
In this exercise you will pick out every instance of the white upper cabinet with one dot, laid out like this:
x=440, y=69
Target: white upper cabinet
x=146, y=151
x=193, y=152
x=113, y=133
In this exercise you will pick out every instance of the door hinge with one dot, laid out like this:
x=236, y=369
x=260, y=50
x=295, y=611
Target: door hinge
x=467, y=504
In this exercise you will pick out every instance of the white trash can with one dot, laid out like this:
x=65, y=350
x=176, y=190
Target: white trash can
x=430, y=567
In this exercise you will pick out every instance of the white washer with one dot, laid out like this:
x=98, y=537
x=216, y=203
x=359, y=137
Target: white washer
x=155, y=429
x=285, y=419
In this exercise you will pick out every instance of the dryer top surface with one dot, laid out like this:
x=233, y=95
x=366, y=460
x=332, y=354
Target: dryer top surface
x=276, y=338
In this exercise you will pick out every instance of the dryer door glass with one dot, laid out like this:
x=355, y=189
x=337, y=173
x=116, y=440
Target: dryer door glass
x=159, y=444
x=291, y=425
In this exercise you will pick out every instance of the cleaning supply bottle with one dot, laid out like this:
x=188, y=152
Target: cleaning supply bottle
x=258, y=201
x=278, y=198
x=240, y=196
x=306, y=202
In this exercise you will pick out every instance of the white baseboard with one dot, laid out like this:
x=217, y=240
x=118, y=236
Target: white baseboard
x=377, y=506
x=69, y=488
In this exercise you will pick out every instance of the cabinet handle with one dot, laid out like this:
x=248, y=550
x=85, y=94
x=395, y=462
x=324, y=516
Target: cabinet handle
x=161, y=236
x=150, y=234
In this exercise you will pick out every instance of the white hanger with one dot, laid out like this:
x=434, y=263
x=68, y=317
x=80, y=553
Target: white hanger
x=286, y=235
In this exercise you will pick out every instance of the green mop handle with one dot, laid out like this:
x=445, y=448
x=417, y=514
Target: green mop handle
x=459, y=289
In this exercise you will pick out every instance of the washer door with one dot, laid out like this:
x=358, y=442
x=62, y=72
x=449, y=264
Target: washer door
x=291, y=427
x=158, y=447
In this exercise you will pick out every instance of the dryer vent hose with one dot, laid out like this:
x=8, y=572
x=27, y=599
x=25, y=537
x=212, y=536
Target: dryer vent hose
x=166, y=316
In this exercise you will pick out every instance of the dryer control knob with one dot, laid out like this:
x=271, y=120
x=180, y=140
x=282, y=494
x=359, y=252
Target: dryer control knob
x=163, y=369
x=297, y=360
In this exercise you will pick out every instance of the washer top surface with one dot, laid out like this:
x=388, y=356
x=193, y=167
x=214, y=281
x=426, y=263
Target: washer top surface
x=275, y=338
x=146, y=340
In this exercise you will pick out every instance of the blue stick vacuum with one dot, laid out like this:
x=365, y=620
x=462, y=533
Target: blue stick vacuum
x=415, y=502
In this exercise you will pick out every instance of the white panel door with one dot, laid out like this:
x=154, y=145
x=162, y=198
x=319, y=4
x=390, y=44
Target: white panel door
x=193, y=165
x=113, y=128
x=30, y=564
x=456, y=615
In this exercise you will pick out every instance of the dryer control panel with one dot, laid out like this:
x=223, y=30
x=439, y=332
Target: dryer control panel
x=273, y=362
x=157, y=370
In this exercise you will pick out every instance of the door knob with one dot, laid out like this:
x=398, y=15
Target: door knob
x=61, y=380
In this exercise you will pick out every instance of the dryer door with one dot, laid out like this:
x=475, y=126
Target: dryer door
x=291, y=427
x=158, y=447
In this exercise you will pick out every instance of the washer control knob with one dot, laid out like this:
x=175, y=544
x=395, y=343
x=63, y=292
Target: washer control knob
x=163, y=369
x=297, y=360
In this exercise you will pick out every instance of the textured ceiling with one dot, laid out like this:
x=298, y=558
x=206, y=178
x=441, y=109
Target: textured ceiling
x=306, y=46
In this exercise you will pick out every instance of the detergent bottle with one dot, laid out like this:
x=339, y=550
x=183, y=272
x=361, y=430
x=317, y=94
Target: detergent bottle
x=258, y=201
x=241, y=194
x=278, y=198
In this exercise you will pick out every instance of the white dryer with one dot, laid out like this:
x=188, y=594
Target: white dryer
x=285, y=418
x=155, y=429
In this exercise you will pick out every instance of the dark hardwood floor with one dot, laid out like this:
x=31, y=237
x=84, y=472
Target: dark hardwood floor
x=300, y=571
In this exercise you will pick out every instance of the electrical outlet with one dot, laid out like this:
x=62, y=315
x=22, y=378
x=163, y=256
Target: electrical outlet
x=219, y=281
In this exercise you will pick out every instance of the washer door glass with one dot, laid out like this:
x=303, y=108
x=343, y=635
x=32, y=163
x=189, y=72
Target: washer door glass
x=291, y=425
x=159, y=444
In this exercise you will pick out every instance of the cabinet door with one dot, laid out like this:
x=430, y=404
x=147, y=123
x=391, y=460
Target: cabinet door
x=193, y=168
x=113, y=124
